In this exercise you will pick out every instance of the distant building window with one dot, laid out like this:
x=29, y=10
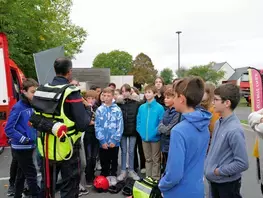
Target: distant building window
x=245, y=77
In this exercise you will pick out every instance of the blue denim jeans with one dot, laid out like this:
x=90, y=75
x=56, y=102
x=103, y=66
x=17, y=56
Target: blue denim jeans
x=124, y=145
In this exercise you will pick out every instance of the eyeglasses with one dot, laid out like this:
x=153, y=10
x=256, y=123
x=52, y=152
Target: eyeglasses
x=217, y=99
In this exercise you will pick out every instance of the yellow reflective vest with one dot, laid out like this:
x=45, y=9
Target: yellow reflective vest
x=58, y=150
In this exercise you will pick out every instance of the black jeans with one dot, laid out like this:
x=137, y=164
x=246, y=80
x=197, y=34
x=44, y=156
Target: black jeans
x=70, y=173
x=138, y=146
x=226, y=190
x=164, y=161
x=109, y=161
x=91, y=146
x=13, y=170
x=26, y=170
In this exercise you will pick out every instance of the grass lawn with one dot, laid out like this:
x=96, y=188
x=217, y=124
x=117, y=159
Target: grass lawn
x=244, y=121
x=243, y=102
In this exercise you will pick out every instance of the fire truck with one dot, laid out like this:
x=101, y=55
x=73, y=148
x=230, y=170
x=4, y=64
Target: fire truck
x=11, y=78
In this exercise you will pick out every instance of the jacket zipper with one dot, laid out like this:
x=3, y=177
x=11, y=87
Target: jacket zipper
x=147, y=123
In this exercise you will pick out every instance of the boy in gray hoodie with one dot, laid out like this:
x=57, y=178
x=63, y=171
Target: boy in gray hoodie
x=227, y=157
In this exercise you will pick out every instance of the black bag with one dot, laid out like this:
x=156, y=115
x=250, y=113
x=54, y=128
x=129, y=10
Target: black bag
x=48, y=100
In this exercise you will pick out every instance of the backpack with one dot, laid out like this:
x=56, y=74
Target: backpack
x=146, y=188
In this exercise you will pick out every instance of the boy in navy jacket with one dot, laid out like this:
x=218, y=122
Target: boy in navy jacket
x=149, y=116
x=170, y=119
x=23, y=140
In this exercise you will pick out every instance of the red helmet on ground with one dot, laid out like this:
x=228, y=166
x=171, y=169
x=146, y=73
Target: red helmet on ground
x=101, y=183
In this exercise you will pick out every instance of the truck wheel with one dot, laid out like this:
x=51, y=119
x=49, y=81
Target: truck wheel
x=2, y=150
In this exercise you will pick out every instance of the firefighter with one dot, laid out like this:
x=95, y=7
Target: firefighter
x=60, y=117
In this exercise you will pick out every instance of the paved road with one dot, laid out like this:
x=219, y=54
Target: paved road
x=250, y=187
x=243, y=112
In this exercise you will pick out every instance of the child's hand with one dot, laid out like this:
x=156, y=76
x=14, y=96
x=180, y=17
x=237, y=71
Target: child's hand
x=105, y=146
x=85, y=102
x=112, y=145
x=216, y=171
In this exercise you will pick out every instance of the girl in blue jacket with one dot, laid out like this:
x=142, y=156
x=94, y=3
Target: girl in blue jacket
x=23, y=139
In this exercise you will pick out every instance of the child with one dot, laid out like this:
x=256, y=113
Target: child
x=129, y=107
x=117, y=94
x=183, y=175
x=108, y=130
x=23, y=140
x=91, y=144
x=170, y=119
x=159, y=84
x=149, y=116
x=227, y=157
x=207, y=103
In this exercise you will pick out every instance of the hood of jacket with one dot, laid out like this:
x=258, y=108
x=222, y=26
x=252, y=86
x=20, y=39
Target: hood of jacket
x=121, y=100
x=200, y=118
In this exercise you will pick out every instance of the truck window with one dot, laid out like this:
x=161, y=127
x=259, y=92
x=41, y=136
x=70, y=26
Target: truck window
x=16, y=86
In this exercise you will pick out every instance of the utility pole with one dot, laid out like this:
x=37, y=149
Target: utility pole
x=178, y=32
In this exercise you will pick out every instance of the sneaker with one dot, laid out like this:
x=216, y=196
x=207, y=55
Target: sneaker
x=133, y=175
x=113, y=180
x=143, y=171
x=98, y=166
x=11, y=191
x=83, y=192
x=89, y=184
x=122, y=176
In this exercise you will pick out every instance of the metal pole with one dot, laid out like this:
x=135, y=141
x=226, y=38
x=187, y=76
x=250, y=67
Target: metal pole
x=178, y=32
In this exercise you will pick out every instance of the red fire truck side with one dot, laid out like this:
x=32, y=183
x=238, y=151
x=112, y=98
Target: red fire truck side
x=11, y=78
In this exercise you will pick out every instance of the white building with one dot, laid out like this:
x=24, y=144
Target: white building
x=229, y=71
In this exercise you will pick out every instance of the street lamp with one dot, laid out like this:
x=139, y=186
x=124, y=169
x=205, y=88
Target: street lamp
x=178, y=32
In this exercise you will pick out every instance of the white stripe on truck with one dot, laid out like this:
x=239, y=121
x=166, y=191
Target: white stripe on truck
x=3, y=85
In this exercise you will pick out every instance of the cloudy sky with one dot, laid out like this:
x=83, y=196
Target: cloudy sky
x=212, y=30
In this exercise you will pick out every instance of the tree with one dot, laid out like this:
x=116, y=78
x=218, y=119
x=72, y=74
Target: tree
x=143, y=70
x=181, y=73
x=33, y=26
x=206, y=72
x=119, y=62
x=167, y=75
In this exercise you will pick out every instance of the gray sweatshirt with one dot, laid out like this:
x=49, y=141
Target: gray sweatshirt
x=227, y=151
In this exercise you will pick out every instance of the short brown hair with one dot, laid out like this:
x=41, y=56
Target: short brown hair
x=112, y=84
x=192, y=88
x=169, y=92
x=91, y=93
x=29, y=82
x=176, y=79
x=151, y=87
x=127, y=87
x=108, y=90
x=229, y=92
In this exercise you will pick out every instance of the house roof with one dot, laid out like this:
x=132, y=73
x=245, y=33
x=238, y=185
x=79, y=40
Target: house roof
x=238, y=73
x=217, y=66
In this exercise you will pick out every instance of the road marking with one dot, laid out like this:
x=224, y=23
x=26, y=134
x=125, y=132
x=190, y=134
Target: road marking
x=7, y=178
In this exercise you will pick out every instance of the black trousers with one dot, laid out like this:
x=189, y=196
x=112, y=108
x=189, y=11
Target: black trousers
x=13, y=170
x=91, y=146
x=164, y=161
x=226, y=190
x=26, y=170
x=109, y=161
x=70, y=173
x=138, y=146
